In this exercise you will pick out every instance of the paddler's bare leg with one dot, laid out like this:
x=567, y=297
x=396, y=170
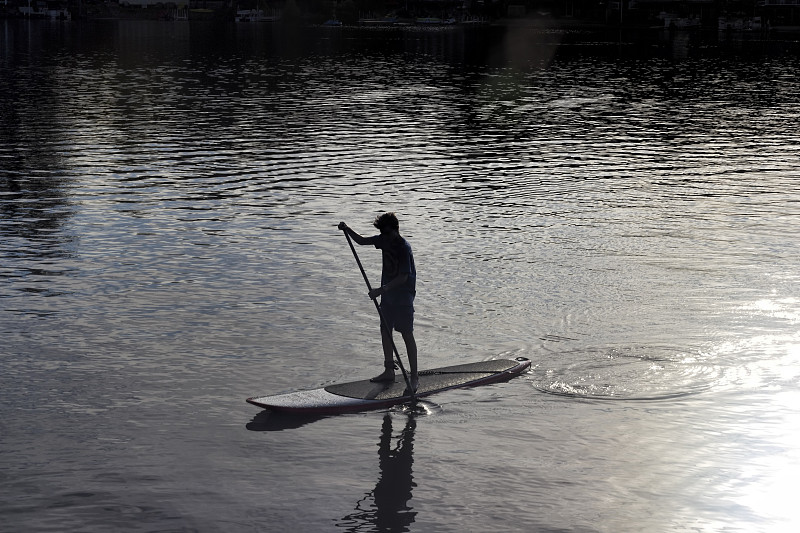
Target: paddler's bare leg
x=388, y=357
x=411, y=350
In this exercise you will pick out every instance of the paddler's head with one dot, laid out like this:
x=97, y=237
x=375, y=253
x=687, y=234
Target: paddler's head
x=387, y=224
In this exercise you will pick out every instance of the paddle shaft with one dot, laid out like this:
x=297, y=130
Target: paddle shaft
x=380, y=313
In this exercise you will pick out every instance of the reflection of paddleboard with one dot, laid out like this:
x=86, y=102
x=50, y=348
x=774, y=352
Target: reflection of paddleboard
x=364, y=395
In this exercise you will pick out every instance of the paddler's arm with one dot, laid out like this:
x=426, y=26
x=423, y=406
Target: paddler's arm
x=356, y=237
x=396, y=282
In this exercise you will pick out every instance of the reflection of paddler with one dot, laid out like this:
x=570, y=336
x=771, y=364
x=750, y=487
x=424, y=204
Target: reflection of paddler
x=392, y=492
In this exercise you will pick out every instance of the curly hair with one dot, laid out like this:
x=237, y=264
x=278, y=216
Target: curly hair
x=386, y=220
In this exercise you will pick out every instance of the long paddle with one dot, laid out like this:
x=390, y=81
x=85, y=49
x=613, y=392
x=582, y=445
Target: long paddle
x=380, y=313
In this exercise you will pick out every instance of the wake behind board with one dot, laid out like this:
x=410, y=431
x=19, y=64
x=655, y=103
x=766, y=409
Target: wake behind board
x=364, y=395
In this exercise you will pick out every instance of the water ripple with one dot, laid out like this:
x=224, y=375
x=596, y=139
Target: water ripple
x=631, y=373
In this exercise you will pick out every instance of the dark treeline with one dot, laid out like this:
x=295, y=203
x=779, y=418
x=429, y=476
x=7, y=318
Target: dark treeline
x=725, y=15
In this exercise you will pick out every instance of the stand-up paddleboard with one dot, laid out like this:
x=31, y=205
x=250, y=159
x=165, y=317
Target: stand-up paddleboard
x=364, y=395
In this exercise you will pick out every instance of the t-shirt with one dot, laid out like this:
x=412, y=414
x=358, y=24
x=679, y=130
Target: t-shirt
x=397, y=259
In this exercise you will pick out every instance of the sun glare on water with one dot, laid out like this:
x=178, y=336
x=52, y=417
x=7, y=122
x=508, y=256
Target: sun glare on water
x=769, y=477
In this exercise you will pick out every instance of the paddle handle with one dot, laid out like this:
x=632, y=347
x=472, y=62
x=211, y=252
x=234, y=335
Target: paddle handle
x=358, y=261
x=380, y=313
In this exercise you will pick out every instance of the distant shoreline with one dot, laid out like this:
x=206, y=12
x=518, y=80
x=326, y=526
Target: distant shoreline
x=115, y=12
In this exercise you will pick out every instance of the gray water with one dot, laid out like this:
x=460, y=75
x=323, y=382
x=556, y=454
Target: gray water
x=622, y=212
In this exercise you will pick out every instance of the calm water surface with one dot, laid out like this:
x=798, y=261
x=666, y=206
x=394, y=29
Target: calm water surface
x=623, y=213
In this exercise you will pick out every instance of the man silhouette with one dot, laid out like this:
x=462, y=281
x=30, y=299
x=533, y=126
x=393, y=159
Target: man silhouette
x=397, y=292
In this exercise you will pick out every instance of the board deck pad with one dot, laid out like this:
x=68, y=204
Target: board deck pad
x=429, y=380
x=364, y=394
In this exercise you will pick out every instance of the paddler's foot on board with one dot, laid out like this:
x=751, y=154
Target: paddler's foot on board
x=388, y=375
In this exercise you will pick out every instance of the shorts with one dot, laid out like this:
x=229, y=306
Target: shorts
x=399, y=318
